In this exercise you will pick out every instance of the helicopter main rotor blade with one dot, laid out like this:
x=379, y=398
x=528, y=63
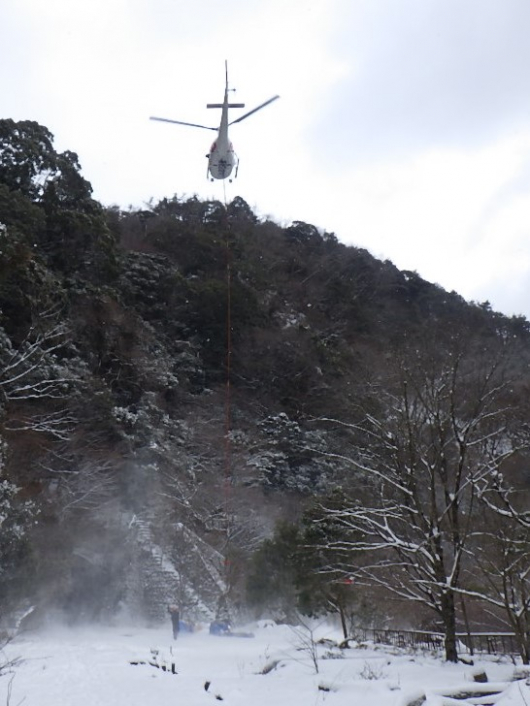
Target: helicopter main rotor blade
x=179, y=122
x=255, y=110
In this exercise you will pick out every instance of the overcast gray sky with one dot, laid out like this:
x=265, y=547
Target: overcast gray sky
x=403, y=125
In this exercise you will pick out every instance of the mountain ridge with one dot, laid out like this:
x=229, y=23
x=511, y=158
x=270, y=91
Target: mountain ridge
x=117, y=366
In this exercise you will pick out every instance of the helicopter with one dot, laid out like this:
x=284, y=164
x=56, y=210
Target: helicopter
x=222, y=159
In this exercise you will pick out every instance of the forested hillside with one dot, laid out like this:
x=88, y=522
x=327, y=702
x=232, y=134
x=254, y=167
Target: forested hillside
x=204, y=407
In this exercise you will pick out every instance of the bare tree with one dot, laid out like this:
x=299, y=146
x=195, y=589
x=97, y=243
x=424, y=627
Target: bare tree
x=502, y=568
x=31, y=370
x=35, y=383
x=501, y=559
x=306, y=641
x=7, y=663
x=422, y=446
x=57, y=424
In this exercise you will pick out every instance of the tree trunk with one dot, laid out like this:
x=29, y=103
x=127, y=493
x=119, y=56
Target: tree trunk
x=523, y=641
x=449, y=623
x=525, y=654
x=468, y=630
x=342, y=614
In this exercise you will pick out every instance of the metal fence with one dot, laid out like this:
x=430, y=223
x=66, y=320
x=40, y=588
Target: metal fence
x=499, y=643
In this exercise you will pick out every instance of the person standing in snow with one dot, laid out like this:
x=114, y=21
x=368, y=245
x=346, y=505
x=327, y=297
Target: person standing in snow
x=174, y=612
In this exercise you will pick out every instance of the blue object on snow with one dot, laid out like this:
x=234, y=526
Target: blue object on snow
x=219, y=627
x=185, y=627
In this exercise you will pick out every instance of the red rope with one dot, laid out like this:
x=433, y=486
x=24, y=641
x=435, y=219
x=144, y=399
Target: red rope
x=228, y=400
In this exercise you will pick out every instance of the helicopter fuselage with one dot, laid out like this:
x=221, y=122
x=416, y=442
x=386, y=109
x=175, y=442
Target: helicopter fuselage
x=222, y=158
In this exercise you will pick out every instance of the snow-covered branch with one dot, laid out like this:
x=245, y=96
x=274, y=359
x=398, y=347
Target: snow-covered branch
x=32, y=370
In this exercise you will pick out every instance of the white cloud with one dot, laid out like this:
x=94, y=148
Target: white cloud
x=429, y=73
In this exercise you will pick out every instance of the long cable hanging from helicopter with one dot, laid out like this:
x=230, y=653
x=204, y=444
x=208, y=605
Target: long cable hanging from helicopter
x=221, y=162
x=228, y=398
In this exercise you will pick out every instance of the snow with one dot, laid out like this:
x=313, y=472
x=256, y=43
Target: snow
x=92, y=666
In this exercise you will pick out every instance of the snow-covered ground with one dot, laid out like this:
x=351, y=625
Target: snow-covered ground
x=93, y=667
